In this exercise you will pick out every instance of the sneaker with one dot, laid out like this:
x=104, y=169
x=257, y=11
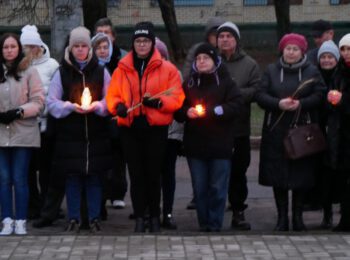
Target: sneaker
x=73, y=226
x=20, y=227
x=118, y=204
x=95, y=226
x=7, y=228
x=169, y=222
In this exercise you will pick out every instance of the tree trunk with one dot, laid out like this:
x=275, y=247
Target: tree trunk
x=93, y=10
x=66, y=15
x=169, y=18
x=282, y=16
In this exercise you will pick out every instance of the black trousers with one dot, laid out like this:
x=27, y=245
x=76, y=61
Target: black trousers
x=144, y=150
x=39, y=174
x=115, y=184
x=52, y=202
x=169, y=175
x=238, y=189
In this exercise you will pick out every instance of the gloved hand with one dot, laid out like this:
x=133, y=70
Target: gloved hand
x=153, y=103
x=11, y=115
x=122, y=110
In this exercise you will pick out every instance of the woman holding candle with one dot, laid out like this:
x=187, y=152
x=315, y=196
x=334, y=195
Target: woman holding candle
x=328, y=57
x=144, y=93
x=82, y=147
x=212, y=100
x=279, y=83
x=340, y=100
x=21, y=101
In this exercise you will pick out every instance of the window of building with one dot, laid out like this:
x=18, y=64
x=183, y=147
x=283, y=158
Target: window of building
x=187, y=2
x=268, y=2
x=255, y=2
x=339, y=2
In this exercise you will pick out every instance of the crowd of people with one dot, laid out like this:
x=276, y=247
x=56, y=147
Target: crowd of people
x=71, y=129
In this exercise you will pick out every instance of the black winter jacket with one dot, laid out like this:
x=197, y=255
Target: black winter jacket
x=210, y=137
x=280, y=81
x=82, y=142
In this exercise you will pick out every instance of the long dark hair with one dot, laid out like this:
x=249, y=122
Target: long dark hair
x=13, y=69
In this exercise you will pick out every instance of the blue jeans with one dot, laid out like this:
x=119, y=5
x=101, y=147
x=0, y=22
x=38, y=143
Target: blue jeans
x=14, y=164
x=210, y=183
x=93, y=195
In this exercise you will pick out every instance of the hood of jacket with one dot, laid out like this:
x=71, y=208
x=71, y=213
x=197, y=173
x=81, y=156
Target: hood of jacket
x=127, y=63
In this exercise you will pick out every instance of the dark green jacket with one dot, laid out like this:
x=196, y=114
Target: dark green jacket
x=246, y=73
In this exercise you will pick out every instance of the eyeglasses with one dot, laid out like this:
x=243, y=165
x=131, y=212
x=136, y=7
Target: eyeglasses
x=142, y=42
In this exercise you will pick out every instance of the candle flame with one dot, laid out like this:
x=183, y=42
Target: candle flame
x=86, y=98
x=200, y=109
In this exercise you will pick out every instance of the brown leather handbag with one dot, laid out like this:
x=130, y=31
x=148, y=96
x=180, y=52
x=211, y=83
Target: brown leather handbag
x=305, y=140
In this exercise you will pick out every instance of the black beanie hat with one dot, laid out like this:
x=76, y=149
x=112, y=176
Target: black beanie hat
x=208, y=49
x=144, y=29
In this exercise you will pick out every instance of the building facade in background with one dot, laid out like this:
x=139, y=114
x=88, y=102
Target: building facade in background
x=189, y=12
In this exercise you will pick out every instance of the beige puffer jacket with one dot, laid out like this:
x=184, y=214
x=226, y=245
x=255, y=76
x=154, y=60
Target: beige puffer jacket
x=27, y=93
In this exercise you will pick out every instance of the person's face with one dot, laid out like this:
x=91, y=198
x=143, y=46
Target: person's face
x=327, y=61
x=106, y=29
x=10, y=49
x=212, y=39
x=326, y=36
x=102, y=50
x=31, y=49
x=142, y=46
x=292, y=53
x=80, y=51
x=226, y=42
x=204, y=63
x=345, y=53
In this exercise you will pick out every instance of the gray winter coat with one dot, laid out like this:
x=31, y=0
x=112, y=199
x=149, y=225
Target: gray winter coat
x=280, y=81
x=246, y=73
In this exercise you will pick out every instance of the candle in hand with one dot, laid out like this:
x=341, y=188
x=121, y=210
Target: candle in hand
x=334, y=97
x=86, y=98
x=200, y=109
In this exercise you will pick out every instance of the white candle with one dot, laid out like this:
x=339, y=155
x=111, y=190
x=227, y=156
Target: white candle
x=86, y=98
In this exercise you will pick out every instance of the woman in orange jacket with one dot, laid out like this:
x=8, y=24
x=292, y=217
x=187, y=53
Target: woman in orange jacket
x=144, y=93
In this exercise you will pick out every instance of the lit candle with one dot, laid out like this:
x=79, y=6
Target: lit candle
x=86, y=98
x=334, y=94
x=200, y=109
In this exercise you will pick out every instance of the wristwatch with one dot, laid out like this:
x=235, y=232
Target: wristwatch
x=20, y=112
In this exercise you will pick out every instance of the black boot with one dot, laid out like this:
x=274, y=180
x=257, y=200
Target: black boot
x=238, y=221
x=327, y=221
x=297, y=208
x=140, y=225
x=281, y=199
x=154, y=225
x=344, y=222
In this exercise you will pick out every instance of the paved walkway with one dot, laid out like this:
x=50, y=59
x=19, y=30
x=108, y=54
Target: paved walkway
x=117, y=240
x=177, y=247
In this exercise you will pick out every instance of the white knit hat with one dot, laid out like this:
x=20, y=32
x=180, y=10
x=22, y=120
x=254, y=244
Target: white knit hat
x=328, y=47
x=30, y=36
x=229, y=27
x=345, y=41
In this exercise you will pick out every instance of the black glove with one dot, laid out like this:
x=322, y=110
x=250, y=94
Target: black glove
x=122, y=111
x=153, y=103
x=11, y=115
